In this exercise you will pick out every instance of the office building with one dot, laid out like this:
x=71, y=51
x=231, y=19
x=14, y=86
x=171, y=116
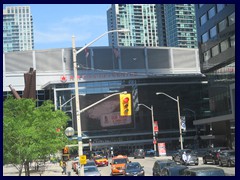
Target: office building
x=176, y=25
x=216, y=39
x=17, y=29
x=138, y=70
x=140, y=19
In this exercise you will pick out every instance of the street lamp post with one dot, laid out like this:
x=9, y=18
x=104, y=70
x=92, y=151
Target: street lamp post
x=179, y=117
x=154, y=137
x=79, y=138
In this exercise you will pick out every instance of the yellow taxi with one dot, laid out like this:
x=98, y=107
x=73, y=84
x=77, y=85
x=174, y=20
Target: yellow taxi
x=118, y=164
x=100, y=160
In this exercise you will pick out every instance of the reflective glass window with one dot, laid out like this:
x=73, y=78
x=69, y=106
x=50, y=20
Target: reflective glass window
x=211, y=12
x=215, y=50
x=220, y=7
x=206, y=55
x=222, y=25
x=203, y=19
x=213, y=32
x=231, y=19
x=232, y=41
x=205, y=37
x=224, y=45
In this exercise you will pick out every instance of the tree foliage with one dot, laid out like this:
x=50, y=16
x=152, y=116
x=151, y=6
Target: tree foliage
x=30, y=132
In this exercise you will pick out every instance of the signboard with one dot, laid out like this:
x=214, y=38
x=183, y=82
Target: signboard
x=155, y=126
x=83, y=159
x=162, y=149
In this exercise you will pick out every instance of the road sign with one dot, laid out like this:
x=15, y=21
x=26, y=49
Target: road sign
x=83, y=159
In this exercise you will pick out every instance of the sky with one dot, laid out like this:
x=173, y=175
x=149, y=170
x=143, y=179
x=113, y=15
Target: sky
x=55, y=24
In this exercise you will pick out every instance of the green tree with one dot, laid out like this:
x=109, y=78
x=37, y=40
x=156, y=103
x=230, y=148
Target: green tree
x=30, y=132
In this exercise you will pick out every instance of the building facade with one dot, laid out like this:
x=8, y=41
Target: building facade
x=216, y=39
x=171, y=25
x=140, y=19
x=177, y=25
x=17, y=29
x=141, y=71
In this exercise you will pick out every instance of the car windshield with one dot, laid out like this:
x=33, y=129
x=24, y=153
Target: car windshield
x=90, y=163
x=211, y=173
x=90, y=169
x=133, y=166
x=120, y=161
x=98, y=157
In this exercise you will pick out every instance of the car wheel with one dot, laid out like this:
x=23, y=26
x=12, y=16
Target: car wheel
x=204, y=161
x=229, y=164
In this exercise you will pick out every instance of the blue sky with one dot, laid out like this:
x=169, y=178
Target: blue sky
x=54, y=24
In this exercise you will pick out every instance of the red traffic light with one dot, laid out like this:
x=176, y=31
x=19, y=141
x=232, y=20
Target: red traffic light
x=125, y=100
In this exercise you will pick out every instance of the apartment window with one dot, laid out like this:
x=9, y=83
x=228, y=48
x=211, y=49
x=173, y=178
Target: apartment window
x=224, y=45
x=231, y=19
x=215, y=50
x=211, y=12
x=206, y=55
x=220, y=7
x=203, y=19
x=213, y=32
x=205, y=37
x=222, y=25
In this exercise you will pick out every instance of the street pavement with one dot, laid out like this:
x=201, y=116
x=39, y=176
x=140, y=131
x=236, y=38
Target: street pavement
x=51, y=169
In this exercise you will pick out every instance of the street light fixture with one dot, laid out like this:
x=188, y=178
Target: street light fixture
x=154, y=137
x=79, y=138
x=179, y=117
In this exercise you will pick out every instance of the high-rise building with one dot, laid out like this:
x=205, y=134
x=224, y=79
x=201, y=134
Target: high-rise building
x=177, y=25
x=17, y=29
x=140, y=19
x=216, y=39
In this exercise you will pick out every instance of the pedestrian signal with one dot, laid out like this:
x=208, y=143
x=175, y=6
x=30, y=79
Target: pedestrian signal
x=125, y=105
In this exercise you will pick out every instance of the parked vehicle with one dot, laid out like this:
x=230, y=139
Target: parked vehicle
x=149, y=152
x=227, y=158
x=134, y=169
x=139, y=153
x=118, y=164
x=91, y=171
x=192, y=157
x=212, y=155
x=204, y=171
x=173, y=170
x=160, y=164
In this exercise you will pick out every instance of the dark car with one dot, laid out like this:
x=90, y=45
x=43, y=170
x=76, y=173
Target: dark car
x=173, y=170
x=192, y=157
x=227, y=158
x=212, y=155
x=204, y=171
x=149, y=152
x=134, y=169
x=139, y=153
x=160, y=164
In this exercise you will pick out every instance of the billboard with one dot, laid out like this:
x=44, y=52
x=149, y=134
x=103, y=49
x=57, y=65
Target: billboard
x=103, y=116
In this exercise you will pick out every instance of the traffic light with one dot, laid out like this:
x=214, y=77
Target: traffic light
x=125, y=105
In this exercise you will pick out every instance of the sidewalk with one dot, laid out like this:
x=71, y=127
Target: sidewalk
x=51, y=169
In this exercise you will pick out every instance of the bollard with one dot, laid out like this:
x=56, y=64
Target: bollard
x=69, y=173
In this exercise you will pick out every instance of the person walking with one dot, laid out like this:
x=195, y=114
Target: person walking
x=64, y=167
x=184, y=157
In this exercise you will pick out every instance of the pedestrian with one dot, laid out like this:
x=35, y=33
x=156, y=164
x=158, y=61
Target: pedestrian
x=64, y=167
x=184, y=157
